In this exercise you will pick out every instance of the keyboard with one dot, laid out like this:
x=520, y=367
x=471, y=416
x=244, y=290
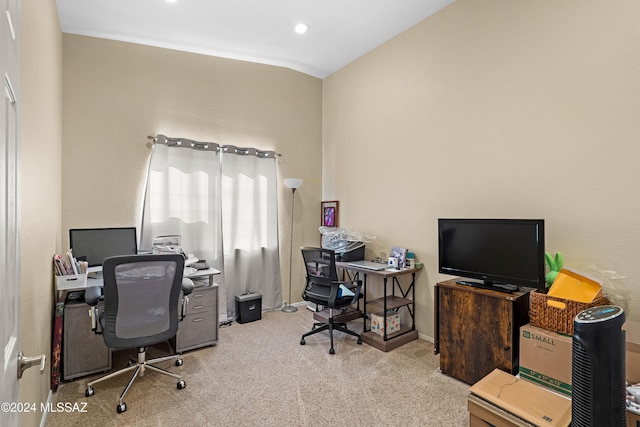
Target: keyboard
x=200, y=265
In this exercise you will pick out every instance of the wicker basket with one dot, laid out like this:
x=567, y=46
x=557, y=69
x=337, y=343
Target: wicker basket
x=556, y=319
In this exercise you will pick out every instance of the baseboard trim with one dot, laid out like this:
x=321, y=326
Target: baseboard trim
x=425, y=337
x=43, y=420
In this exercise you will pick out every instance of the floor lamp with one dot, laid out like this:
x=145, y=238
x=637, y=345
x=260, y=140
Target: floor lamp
x=293, y=184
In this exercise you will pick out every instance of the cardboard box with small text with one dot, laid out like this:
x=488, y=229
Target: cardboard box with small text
x=545, y=358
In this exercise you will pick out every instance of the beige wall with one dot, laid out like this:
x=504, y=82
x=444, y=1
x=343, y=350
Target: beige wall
x=116, y=94
x=40, y=165
x=495, y=108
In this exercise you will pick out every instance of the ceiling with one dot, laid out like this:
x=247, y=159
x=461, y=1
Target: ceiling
x=261, y=31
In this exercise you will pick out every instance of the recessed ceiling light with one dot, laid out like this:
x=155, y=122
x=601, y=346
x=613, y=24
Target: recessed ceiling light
x=301, y=28
x=171, y=1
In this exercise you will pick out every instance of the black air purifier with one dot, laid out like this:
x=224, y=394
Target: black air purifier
x=598, y=368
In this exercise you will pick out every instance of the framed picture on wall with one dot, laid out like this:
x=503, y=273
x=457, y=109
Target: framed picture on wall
x=329, y=213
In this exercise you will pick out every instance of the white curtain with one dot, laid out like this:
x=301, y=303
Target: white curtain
x=218, y=198
x=250, y=227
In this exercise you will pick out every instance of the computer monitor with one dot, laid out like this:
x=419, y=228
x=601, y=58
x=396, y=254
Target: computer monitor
x=94, y=245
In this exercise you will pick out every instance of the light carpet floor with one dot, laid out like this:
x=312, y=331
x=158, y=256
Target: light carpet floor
x=259, y=375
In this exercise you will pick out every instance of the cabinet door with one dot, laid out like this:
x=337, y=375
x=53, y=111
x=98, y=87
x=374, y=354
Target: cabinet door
x=475, y=334
x=84, y=352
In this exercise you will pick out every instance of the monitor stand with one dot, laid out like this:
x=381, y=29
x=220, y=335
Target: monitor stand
x=500, y=287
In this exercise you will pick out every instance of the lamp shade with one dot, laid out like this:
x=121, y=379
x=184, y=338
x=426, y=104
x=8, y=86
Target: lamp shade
x=293, y=182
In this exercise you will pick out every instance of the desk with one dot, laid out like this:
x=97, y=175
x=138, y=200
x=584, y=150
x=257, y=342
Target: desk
x=198, y=274
x=96, y=279
x=84, y=352
x=393, y=302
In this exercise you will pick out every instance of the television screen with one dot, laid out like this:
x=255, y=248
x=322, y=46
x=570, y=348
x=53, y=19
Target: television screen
x=495, y=251
x=94, y=245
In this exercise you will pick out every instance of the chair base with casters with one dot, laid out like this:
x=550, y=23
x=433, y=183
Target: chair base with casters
x=331, y=326
x=140, y=366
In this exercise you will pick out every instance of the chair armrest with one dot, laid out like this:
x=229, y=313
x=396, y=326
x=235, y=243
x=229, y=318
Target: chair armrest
x=313, y=291
x=351, y=284
x=92, y=295
x=187, y=286
x=355, y=286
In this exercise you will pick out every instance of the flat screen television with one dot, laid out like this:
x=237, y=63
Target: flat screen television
x=502, y=254
x=94, y=245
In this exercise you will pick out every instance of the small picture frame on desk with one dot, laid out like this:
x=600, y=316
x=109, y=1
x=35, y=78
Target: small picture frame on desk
x=400, y=254
x=329, y=213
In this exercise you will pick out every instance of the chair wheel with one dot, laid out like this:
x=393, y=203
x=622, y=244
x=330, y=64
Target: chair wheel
x=121, y=407
x=332, y=351
x=359, y=342
x=89, y=392
x=302, y=342
x=181, y=384
x=179, y=362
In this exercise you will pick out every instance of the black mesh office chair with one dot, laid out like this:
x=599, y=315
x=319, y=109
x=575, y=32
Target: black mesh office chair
x=141, y=296
x=324, y=288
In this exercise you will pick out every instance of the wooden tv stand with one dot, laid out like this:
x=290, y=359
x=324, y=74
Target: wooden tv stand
x=477, y=330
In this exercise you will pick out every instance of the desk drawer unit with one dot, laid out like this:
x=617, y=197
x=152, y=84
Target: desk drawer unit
x=199, y=328
x=201, y=299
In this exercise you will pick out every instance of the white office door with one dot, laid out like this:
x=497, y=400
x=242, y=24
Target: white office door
x=9, y=262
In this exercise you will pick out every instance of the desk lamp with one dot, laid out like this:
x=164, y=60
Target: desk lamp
x=293, y=184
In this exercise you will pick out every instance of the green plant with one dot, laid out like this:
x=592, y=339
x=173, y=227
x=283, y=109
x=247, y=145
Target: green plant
x=555, y=264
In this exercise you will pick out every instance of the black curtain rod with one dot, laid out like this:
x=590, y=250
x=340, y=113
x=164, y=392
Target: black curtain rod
x=212, y=146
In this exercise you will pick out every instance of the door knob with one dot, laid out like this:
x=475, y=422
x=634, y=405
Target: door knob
x=25, y=363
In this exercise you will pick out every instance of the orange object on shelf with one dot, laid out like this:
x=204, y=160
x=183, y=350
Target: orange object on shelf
x=574, y=286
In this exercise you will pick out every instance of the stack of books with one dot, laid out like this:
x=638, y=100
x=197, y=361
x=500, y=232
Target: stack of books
x=66, y=264
x=70, y=273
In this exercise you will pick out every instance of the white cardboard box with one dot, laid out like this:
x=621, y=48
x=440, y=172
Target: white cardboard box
x=393, y=322
x=71, y=281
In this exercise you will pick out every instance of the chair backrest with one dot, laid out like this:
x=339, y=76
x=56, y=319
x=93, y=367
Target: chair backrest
x=141, y=294
x=322, y=276
x=320, y=264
